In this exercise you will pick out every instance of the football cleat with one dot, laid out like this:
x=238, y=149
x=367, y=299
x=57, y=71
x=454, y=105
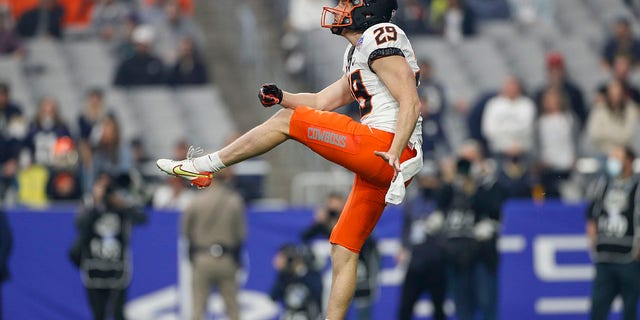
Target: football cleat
x=185, y=169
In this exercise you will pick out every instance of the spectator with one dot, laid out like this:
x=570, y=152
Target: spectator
x=423, y=244
x=622, y=42
x=10, y=43
x=92, y=114
x=612, y=230
x=45, y=129
x=571, y=94
x=108, y=18
x=43, y=20
x=143, y=68
x=620, y=72
x=557, y=135
x=12, y=130
x=613, y=121
x=171, y=30
x=214, y=227
x=189, y=68
x=472, y=207
x=174, y=194
x=508, y=120
x=101, y=249
x=434, y=106
x=109, y=153
x=125, y=48
x=152, y=12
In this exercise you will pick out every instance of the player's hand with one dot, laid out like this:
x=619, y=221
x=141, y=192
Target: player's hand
x=390, y=158
x=270, y=95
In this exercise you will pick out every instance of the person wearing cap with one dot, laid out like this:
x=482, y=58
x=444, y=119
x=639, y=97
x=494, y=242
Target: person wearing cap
x=621, y=42
x=558, y=79
x=143, y=68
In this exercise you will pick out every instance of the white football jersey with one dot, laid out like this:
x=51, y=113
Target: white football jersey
x=378, y=108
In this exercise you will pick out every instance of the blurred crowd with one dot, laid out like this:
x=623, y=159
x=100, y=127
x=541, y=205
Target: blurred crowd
x=535, y=139
x=44, y=158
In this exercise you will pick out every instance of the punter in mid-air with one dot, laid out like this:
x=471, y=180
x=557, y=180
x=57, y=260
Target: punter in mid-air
x=383, y=149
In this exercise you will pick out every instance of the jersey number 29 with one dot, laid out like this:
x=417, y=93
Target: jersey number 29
x=384, y=34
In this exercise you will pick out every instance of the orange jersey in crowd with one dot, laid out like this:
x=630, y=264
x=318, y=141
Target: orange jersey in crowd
x=76, y=12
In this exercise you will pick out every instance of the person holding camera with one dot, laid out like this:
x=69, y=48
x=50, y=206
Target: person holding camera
x=298, y=285
x=101, y=250
x=472, y=205
x=613, y=221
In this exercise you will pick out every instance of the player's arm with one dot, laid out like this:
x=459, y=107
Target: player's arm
x=397, y=76
x=330, y=98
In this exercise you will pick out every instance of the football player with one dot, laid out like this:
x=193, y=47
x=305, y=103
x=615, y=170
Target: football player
x=383, y=149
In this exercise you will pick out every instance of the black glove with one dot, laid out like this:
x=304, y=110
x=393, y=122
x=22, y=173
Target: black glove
x=270, y=94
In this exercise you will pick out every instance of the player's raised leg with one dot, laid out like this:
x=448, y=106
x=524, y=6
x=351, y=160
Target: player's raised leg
x=257, y=141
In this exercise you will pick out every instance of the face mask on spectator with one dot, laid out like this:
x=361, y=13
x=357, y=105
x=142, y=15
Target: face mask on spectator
x=47, y=123
x=614, y=167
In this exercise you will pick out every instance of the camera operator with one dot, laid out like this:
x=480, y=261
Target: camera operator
x=101, y=250
x=613, y=220
x=472, y=206
x=298, y=284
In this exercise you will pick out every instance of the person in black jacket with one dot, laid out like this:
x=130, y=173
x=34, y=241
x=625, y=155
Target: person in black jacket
x=101, y=250
x=143, y=67
x=45, y=19
x=472, y=206
x=189, y=69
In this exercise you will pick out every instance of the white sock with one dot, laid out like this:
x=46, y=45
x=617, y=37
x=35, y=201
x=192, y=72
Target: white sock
x=208, y=163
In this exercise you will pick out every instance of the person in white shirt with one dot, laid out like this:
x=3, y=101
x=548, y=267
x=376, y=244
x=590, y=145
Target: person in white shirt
x=508, y=120
x=556, y=133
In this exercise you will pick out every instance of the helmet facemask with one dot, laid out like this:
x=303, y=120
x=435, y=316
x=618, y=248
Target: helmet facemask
x=339, y=17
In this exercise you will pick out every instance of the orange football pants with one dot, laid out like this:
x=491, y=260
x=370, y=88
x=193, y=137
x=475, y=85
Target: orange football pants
x=346, y=142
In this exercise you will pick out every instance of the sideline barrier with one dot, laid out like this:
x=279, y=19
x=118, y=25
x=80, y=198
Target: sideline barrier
x=545, y=269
